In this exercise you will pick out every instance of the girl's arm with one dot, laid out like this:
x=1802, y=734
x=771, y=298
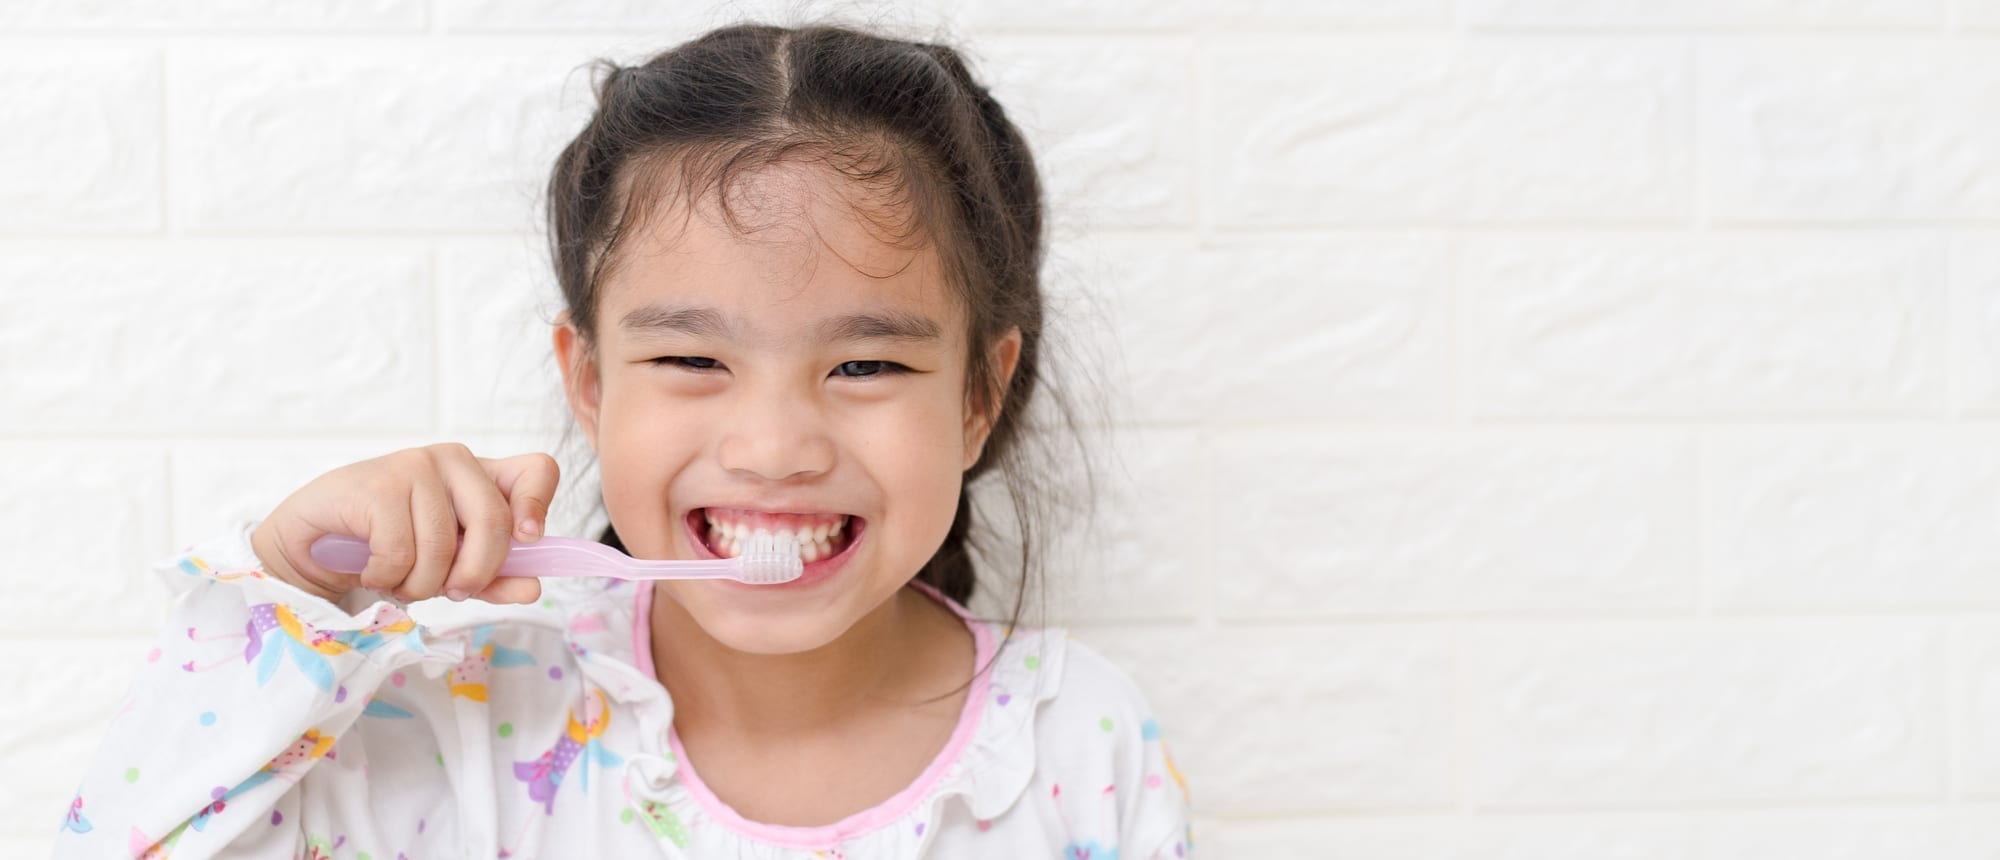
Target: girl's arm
x=253, y=685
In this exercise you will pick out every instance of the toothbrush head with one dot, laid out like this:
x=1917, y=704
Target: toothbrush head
x=769, y=559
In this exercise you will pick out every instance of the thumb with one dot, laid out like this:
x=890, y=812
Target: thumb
x=528, y=481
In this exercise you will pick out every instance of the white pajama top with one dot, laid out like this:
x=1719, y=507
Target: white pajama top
x=267, y=722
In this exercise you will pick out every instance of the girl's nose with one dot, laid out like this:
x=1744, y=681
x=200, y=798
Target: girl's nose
x=775, y=437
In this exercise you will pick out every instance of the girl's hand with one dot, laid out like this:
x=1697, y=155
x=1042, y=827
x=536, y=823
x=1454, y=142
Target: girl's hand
x=411, y=507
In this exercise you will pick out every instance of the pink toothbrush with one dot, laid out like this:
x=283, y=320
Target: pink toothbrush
x=766, y=560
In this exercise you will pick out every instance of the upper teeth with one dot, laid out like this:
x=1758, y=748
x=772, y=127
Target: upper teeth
x=813, y=541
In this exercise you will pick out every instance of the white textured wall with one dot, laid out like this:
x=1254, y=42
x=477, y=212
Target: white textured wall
x=1557, y=429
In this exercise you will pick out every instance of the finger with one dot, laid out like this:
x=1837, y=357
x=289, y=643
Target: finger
x=512, y=589
x=436, y=526
x=294, y=548
x=484, y=518
x=529, y=482
x=392, y=544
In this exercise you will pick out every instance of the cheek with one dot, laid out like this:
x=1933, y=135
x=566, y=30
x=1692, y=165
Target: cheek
x=921, y=503
x=639, y=452
x=917, y=456
x=635, y=420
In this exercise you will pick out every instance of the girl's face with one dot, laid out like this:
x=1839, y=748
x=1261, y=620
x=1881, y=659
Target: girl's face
x=805, y=377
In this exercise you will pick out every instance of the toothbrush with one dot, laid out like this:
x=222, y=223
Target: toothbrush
x=766, y=560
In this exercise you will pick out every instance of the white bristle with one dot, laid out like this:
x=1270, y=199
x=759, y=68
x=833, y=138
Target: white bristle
x=769, y=559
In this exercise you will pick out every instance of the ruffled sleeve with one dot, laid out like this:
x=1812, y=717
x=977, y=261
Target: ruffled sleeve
x=1069, y=761
x=1002, y=760
x=252, y=686
x=1154, y=822
x=1103, y=767
x=1147, y=789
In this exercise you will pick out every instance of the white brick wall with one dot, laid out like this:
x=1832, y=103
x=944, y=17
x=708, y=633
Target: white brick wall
x=1548, y=428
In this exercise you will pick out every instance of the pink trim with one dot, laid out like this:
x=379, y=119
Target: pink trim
x=642, y=628
x=875, y=817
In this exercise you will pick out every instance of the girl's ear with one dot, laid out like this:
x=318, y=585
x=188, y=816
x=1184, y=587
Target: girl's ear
x=1004, y=354
x=579, y=372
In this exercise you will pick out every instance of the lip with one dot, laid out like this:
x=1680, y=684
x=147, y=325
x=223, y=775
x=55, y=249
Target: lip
x=815, y=571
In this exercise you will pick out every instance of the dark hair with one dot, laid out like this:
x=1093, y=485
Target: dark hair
x=905, y=120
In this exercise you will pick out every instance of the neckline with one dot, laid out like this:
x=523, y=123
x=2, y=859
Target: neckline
x=864, y=821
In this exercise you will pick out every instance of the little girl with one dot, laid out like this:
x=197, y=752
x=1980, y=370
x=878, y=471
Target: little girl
x=800, y=268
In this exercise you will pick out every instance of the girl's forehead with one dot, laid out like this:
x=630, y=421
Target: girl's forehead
x=797, y=253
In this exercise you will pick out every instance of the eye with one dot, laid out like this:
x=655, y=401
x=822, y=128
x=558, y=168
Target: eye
x=689, y=362
x=865, y=369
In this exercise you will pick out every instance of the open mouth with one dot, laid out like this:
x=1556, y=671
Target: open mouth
x=726, y=531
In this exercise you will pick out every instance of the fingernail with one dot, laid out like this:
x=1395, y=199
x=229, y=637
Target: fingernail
x=530, y=528
x=456, y=593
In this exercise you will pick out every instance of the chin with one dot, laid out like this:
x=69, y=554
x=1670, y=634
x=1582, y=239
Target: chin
x=762, y=630
x=774, y=642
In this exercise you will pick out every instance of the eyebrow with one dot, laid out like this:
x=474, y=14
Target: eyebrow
x=708, y=322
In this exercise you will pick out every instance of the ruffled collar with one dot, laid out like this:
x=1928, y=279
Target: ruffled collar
x=988, y=760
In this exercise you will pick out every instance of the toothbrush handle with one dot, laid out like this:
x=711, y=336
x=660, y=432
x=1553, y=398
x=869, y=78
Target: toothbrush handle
x=348, y=554
x=340, y=553
x=550, y=556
